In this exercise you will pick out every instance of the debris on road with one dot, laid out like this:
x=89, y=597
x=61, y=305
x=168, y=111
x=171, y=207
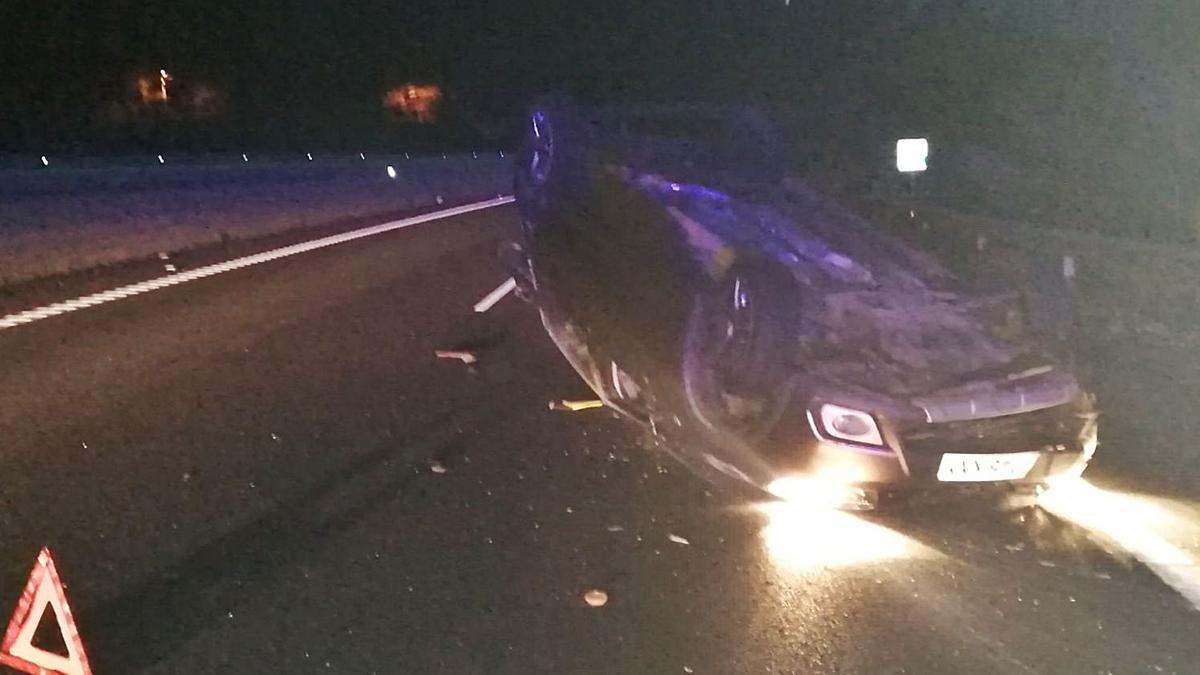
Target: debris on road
x=437, y=467
x=496, y=295
x=466, y=357
x=678, y=539
x=595, y=598
x=575, y=406
x=615, y=528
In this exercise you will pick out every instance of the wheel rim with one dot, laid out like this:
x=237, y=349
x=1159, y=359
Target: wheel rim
x=735, y=384
x=735, y=326
x=541, y=141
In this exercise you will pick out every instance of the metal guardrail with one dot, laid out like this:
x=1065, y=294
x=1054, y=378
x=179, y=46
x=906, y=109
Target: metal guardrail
x=54, y=221
x=233, y=159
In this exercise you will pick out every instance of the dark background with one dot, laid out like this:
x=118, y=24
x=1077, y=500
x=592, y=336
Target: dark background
x=1085, y=109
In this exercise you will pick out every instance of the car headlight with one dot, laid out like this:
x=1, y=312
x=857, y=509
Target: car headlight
x=847, y=424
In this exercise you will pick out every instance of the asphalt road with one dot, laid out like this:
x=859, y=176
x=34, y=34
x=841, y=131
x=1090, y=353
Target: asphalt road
x=269, y=471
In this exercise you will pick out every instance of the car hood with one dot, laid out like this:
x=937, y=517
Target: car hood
x=876, y=313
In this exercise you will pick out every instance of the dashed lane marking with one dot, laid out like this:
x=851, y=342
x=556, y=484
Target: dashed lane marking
x=36, y=314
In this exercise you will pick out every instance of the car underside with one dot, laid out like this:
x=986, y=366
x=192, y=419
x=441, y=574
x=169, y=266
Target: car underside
x=764, y=333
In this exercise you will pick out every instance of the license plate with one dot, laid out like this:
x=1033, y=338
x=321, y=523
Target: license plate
x=961, y=468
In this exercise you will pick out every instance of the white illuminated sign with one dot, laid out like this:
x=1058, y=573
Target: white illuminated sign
x=911, y=154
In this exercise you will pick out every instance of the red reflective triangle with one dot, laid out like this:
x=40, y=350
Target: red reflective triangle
x=44, y=589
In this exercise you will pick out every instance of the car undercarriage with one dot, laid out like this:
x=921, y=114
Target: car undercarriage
x=730, y=309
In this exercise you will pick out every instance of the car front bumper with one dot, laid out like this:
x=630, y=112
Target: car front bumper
x=1064, y=439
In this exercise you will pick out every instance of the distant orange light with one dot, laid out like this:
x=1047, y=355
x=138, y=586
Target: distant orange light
x=152, y=89
x=148, y=92
x=417, y=102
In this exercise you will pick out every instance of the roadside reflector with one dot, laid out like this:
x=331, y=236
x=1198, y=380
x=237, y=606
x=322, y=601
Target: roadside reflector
x=17, y=651
x=912, y=154
x=1068, y=267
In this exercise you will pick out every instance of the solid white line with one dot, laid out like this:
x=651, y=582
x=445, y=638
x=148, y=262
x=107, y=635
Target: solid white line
x=495, y=296
x=1173, y=565
x=31, y=315
x=1130, y=522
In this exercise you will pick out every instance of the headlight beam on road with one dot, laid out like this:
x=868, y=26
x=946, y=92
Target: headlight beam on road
x=1135, y=524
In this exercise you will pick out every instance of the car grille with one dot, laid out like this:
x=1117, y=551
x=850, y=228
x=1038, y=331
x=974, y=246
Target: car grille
x=1051, y=429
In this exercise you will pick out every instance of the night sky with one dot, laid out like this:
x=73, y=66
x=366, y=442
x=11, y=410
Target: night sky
x=305, y=71
x=1084, y=89
x=301, y=69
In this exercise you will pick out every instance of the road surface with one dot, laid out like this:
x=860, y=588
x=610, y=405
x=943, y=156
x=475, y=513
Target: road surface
x=268, y=470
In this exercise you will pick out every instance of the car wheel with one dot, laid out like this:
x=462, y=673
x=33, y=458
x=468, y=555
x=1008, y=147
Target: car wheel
x=736, y=361
x=737, y=367
x=553, y=160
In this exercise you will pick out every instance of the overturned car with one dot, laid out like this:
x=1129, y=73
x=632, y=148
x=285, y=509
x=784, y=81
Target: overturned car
x=764, y=334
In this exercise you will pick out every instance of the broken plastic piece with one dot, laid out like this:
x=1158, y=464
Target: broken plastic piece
x=495, y=296
x=595, y=598
x=575, y=406
x=678, y=539
x=466, y=357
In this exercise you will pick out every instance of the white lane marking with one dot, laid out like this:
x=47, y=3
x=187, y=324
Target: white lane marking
x=31, y=315
x=1134, y=523
x=495, y=296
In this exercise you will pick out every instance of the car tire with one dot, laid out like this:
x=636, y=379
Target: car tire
x=553, y=164
x=731, y=406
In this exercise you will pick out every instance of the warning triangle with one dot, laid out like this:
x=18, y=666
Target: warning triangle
x=43, y=590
